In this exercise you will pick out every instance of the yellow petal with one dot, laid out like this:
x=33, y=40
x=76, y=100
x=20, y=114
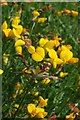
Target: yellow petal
x=19, y=43
x=66, y=55
x=19, y=29
x=16, y=105
x=45, y=81
x=15, y=22
x=42, y=42
x=18, y=49
x=1, y=71
x=4, y=25
x=35, y=13
x=6, y=32
x=63, y=74
x=40, y=51
x=31, y=49
x=16, y=34
x=49, y=44
x=52, y=54
x=39, y=110
x=58, y=60
x=31, y=108
x=73, y=60
x=11, y=34
x=37, y=57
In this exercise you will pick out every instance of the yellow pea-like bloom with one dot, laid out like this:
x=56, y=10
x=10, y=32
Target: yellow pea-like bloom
x=35, y=93
x=16, y=105
x=19, y=43
x=31, y=49
x=46, y=44
x=15, y=22
x=1, y=71
x=42, y=20
x=18, y=49
x=31, y=109
x=49, y=45
x=56, y=62
x=40, y=113
x=66, y=55
x=73, y=60
x=5, y=29
x=35, y=13
x=18, y=85
x=63, y=74
x=4, y=25
x=42, y=42
x=52, y=54
x=67, y=11
x=17, y=31
x=45, y=81
x=21, y=91
x=70, y=117
x=42, y=102
x=38, y=54
x=5, y=58
x=74, y=13
x=60, y=13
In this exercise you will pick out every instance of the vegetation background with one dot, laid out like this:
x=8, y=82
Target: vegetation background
x=59, y=92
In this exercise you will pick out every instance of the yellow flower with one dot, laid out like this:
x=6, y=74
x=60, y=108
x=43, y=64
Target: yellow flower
x=14, y=96
x=45, y=81
x=5, y=58
x=38, y=54
x=56, y=40
x=66, y=55
x=40, y=113
x=42, y=20
x=14, y=33
x=59, y=13
x=5, y=29
x=42, y=102
x=70, y=117
x=1, y=71
x=52, y=54
x=56, y=61
x=35, y=93
x=21, y=91
x=73, y=60
x=18, y=85
x=16, y=105
x=67, y=11
x=19, y=42
x=74, y=13
x=18, y=49
x=63, y=74
x=48, y=47
x=31, y=109
x=35, y=13
x=18, y=45
x=15, y=22
x=31, y=49
x=42, y=42
x=17, y=31
x=36, y=81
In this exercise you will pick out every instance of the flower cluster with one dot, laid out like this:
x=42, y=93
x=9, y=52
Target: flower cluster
x=39, y=19
x=38, y=111
x=63, y=54
x=71, y=12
